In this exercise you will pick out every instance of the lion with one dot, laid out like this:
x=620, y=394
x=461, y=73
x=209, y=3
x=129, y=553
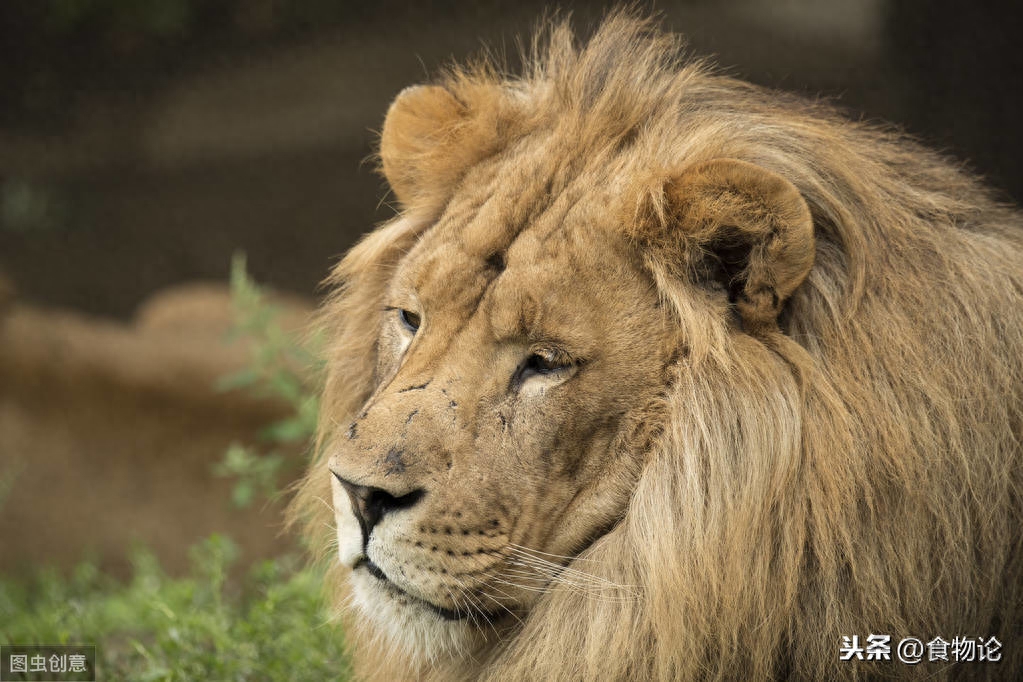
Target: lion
x=659, y=375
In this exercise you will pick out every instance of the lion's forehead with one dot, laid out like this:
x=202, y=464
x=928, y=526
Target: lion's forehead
x=537, y=185
x=535, y=287
x=521, y=216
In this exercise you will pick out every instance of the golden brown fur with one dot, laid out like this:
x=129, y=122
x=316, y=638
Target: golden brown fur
x=798, y=409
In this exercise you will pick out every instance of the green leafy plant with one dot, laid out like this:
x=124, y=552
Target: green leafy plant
x=270, y=625
x=281, y=367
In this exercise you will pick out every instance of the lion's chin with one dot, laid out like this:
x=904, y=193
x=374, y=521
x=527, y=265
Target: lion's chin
x=408, y=624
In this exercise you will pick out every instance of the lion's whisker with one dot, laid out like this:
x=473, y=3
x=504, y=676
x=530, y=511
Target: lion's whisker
x=531, y=552
x=566, y=574
x=502, y=606
x=574, y=589
x=326, y=504
x=567, y=570
x=474, y=602
x=591, y=585
x=521, y=587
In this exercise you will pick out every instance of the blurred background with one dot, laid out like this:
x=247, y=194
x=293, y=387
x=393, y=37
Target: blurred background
x=143, y=143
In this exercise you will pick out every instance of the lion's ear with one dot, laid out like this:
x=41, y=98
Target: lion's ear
x=431, y=135
x=741, y=226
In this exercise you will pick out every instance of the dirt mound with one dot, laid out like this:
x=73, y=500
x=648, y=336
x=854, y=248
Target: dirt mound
x=109, y=432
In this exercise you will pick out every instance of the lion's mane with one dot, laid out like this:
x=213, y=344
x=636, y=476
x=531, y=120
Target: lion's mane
x=869, y=482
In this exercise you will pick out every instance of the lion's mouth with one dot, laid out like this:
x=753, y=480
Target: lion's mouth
x=377, y=572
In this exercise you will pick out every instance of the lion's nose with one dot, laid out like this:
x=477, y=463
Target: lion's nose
x=372, y=504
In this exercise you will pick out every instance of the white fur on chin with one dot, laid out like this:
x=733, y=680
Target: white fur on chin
x=407, y=624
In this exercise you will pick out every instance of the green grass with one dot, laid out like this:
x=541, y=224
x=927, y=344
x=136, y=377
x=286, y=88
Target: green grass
x=271, y=625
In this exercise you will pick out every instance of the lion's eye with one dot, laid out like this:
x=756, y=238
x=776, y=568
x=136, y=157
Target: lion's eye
x=544, y=362
x=409, y=319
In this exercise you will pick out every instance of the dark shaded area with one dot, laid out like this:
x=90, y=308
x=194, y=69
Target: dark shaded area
x=139, y=155
x=130, y=232
x=53, y=51
x=961, y=65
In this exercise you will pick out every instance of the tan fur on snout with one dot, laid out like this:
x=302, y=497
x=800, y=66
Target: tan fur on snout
x=705, y=378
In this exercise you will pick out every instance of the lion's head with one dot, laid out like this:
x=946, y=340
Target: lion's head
x=660, y=375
